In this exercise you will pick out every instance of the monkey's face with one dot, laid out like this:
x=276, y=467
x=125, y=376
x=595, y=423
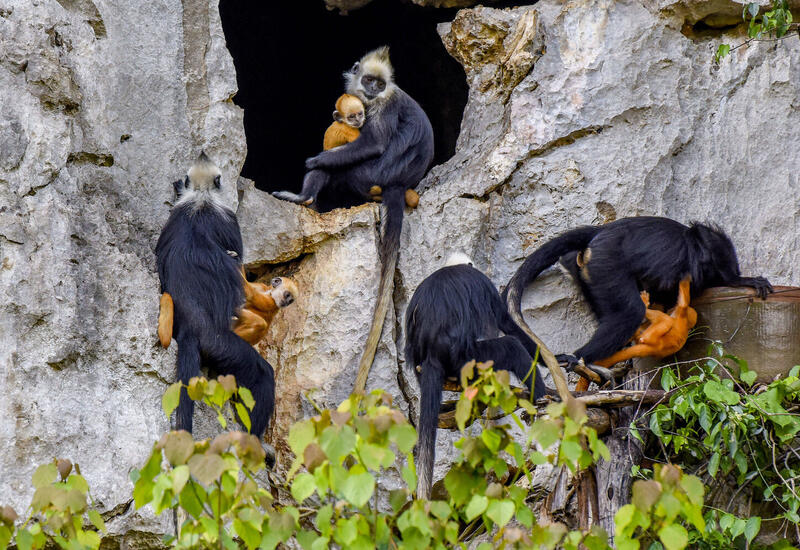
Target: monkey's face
x=355, y=119
x=284, y=291
x=371, y=78
x=372, y=85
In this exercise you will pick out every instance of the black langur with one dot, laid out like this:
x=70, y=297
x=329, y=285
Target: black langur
x=199, y=265
x=455, y=316
x=392, y=154
x=618, y=260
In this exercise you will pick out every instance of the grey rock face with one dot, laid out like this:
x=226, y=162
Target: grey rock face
x=579, y=112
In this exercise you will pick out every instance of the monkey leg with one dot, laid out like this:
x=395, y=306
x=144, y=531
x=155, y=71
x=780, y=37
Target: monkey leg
x=250, y=327
x=637, y=350
x=313, y=182
x=166, y=313
x=509, y=354
x=412, y=198
x=229, y=354
x=188, y=366
x=621, y=313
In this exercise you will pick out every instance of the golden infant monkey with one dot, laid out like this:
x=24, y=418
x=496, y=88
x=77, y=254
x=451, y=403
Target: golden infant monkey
x=262, y=303
x=347, y=119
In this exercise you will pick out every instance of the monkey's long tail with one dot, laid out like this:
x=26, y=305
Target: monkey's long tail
x=394, y=201
x=431, y=378
x=542, y=258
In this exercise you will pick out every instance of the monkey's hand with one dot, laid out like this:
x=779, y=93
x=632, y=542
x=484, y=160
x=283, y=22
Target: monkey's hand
x=567, y=361
x=312, y=163
x=762, y=286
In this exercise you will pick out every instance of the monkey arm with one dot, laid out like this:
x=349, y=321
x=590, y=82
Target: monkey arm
x=762, y=286
x=346, y=155
x=262, y=301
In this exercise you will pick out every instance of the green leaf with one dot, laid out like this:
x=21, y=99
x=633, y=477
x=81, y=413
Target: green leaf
x=206, y=468
x=674, y=537
x=749, y=377
x=716, y=391
x=500, y=511
x=722, y=51
x=713, y=464
x=404, y=436
x=303, y=487
x=244, y=417
x=337, y=442
x=463, y=412
x=97, y=520
x=300, y=435
x=492, y=439
x=752, y=528
x=180, y=475
x=752, y=9
x=476, y=507
x=246, y=398
x=358, y=488
x=170, y=399
x=45, y=475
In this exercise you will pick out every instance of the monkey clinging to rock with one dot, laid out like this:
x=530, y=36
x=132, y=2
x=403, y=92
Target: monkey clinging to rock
x=198, y=258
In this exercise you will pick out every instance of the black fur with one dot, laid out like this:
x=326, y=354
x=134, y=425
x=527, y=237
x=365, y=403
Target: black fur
x=628, y=256
x=453, y=317
x=205, y=283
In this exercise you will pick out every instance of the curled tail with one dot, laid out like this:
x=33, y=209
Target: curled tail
x=542, y=258
x=394, y=201
x=545, y=256
x=431, y=378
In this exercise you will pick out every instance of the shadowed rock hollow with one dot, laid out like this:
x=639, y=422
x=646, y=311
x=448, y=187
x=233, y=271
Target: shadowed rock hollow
x=578, y=112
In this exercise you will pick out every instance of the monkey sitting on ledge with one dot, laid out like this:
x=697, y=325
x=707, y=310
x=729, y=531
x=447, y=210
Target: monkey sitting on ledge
x=252, y=322
x=347, y=119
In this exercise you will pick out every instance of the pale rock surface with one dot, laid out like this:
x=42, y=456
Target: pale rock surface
x=579, y=112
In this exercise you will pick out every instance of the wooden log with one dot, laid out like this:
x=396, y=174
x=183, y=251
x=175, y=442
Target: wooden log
x=613, y=476
x=762, y=332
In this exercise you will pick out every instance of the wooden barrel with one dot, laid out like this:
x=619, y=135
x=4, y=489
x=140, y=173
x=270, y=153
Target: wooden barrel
x=765, y=333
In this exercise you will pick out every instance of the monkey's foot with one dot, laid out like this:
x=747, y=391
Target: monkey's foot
x=293, y=197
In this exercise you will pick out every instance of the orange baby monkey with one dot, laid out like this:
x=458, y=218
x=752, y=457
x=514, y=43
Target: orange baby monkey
x=661, y=334
x=262, y=303
x=347, y=119
x=666, y=333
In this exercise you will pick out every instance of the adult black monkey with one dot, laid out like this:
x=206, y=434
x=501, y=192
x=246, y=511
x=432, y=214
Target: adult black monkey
x=392, y=153
x=453, y=317
x=199, y=264
x=622, y=258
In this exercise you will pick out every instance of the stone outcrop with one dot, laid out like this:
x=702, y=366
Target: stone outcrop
x=579, y=112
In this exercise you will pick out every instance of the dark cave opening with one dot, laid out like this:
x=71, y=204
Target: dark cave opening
x=289, y=59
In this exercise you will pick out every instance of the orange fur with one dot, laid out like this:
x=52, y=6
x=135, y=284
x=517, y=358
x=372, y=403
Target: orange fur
x=340, y=133
x=665, y=334
x=259, y=310
x=165, y=315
